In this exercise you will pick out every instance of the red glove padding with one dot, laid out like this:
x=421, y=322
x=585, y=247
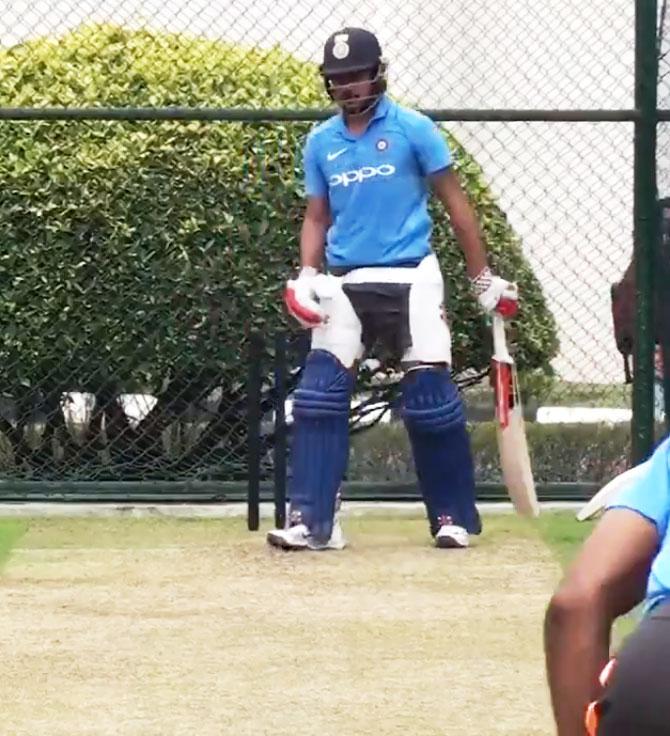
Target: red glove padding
x=507, y=307
x=300, y=299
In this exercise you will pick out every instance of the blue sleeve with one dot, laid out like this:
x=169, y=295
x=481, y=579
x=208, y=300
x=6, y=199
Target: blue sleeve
x=649, y=495
x=315, y=182
x=430, y=145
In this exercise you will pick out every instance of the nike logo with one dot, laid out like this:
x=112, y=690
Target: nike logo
x=332, y=156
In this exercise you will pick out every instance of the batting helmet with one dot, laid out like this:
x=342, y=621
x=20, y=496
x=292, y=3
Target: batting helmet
x=354, y=50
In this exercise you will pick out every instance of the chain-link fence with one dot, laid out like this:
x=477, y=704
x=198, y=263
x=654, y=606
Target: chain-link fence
x=140, y=252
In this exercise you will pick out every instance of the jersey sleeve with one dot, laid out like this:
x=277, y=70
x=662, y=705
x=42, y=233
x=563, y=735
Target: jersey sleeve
x=430, y=145
x=315, y=181
x=649, y=495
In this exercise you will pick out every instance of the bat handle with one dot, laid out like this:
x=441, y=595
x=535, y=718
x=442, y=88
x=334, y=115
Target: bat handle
x=500, y=351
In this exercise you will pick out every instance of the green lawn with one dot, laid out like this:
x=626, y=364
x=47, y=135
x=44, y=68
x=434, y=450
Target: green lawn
x=11, y=532
x=563, y=534
x=136, y=625
x=558, y=530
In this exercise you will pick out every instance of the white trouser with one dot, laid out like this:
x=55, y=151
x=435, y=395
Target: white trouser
x=341, y=332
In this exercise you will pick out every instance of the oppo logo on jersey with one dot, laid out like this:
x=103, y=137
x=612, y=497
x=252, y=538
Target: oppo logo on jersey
x=359, y=175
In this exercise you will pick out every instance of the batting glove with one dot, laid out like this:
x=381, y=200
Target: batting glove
x=495, y=294
x=300, y=301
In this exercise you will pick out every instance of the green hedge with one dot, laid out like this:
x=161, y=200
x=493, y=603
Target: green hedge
x=133, y=250
x=137, y=256
x=580, y=452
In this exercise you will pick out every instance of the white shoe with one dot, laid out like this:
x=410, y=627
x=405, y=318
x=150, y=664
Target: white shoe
x=298, y=537
x=450, y=536
x=293, y=537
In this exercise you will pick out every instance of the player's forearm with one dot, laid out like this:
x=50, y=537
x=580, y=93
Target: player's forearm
x=577, y=648
x=312, y=242
x=466, y=230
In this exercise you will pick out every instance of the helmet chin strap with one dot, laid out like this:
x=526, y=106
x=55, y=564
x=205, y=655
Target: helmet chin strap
x=380, y=77
x=374, y=99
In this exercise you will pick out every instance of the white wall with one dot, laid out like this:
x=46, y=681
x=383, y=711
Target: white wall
x=566, y=187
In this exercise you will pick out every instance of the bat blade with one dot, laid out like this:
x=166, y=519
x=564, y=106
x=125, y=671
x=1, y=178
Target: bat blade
x=512, y=442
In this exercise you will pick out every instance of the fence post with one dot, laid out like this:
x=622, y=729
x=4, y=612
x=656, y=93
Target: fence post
x=280, y=431
x=662, y=300
x=254, y=430
x=644, y=226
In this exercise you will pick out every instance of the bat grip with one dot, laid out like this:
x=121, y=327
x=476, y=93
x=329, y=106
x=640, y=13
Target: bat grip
x=500, y=351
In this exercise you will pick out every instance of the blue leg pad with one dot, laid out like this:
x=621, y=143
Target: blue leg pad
x=320, y=444
x=433, y=414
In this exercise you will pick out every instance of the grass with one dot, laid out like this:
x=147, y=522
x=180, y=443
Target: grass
x=215, y=632
x=149, y=627
x=10, y=533
x=563, y=534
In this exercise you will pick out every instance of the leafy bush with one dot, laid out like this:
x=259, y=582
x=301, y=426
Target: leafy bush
x=559, y=453
x=137, y=256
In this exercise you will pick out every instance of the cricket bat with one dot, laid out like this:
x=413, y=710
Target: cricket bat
x=609, y=491
x=510, y=428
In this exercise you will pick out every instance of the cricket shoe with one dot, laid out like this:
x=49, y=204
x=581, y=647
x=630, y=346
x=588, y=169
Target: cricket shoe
x=450, y=535
x=297, y=537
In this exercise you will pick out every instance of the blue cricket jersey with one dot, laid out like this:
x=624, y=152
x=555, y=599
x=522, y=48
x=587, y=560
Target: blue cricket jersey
x=650, y=497
x=376, y=185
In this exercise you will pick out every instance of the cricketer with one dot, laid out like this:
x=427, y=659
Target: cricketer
x=368, y=274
